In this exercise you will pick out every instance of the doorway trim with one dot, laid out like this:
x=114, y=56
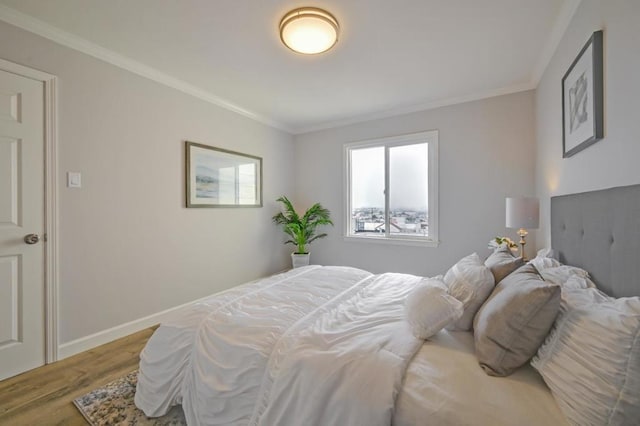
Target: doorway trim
x=50, y=236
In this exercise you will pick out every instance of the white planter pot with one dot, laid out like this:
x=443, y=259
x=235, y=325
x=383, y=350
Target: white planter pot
x=299, y=260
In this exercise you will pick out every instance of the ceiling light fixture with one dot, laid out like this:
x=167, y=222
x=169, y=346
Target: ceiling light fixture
x=309, y=30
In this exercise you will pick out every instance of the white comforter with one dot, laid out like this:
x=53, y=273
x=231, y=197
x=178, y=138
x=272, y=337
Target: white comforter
x=315, y=345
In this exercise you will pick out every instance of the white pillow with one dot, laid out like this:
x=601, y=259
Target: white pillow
x=591, y=359
x=471, y=282
x=562, y=274
x=429, y=308
x=541, y=263
x=546, y=252
x=577, y=282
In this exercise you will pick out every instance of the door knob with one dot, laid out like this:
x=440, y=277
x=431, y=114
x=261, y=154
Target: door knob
x=31, y=238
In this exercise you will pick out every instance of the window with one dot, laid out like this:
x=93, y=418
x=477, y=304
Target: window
x=237, y=184
x=391, y=189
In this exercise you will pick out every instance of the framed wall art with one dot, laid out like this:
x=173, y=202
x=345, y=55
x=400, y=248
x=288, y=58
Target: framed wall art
x=218, y=177
x=582, y=99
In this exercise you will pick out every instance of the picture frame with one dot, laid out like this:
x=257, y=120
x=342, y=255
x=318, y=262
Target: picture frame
x=582, y=99
x=217, y=177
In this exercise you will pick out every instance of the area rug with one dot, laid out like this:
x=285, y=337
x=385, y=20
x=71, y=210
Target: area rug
x=113, y=405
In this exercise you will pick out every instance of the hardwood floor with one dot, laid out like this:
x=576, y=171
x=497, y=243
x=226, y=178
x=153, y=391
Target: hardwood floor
x=43, y=396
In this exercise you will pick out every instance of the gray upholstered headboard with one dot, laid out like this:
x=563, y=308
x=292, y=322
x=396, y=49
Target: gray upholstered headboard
x=600, y=232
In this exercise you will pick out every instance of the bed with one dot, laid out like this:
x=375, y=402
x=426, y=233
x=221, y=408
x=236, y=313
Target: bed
x=330, y=345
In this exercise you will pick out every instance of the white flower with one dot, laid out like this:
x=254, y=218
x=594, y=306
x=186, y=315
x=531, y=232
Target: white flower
x=498, y=242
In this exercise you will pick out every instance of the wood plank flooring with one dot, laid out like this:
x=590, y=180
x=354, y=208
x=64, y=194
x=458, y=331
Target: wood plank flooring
x=44, y=396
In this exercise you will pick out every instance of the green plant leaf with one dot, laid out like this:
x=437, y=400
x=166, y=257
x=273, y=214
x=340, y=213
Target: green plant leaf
x=302, y=230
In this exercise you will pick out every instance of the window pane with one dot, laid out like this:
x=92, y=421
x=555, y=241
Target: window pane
x=408, y=192
x=247, y=183
x=367, y=191
x=227, y=182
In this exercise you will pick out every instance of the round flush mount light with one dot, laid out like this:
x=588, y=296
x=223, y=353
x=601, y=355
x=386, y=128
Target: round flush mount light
x=309, y=30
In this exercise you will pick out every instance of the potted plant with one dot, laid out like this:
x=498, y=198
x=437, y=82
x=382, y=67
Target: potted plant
x=302, y=230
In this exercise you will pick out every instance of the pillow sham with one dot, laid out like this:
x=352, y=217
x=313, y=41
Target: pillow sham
x=502, y=262
x=514, y=321
x=546, y=252
x=429, y=308
x=541, y=263
x=471, y=282
x=577, y=282
x=591, y=359
x=562, y=274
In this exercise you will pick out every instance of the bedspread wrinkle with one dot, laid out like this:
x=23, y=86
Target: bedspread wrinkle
x=322, y=345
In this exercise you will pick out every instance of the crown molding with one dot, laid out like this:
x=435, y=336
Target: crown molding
x=567, y=11
x=437, y=103
x=36, y=26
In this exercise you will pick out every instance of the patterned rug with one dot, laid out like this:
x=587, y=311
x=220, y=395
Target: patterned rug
x=113, y=405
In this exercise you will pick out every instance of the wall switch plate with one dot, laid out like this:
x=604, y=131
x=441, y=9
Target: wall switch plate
x=74, y=180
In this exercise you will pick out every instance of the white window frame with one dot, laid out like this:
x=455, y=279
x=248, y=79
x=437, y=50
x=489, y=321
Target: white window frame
x=431, y=138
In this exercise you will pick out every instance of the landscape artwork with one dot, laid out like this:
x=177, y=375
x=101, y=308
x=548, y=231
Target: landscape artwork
x=582, y=103
x=207, y=185
x=221, y=178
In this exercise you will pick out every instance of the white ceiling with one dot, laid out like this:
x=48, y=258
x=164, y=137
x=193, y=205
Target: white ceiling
x=392, y=57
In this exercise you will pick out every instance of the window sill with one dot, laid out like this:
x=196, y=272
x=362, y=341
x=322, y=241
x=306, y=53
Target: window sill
x=393, y=241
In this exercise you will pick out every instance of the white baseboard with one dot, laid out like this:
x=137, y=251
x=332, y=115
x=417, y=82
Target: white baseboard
x=85, y=343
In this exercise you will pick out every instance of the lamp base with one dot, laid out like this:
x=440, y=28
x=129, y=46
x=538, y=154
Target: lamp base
x=522, y=233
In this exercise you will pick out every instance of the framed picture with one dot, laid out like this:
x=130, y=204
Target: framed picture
x=220, y=178
x=582, y=99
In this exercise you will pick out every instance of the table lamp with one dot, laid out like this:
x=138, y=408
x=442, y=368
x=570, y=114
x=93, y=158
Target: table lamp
x=522, y=213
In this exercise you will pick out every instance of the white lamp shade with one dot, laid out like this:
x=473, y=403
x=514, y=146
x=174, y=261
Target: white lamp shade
x=523, y=213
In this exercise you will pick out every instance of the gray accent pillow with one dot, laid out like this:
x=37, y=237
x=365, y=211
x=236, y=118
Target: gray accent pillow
x=502, y=263
x=513, y=323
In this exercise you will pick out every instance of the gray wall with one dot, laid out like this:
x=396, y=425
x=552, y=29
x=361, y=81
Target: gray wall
x=486, y=153
x=128, y=246
x=613, y=161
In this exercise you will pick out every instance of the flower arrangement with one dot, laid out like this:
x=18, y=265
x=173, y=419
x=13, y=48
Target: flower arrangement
x=501, y=241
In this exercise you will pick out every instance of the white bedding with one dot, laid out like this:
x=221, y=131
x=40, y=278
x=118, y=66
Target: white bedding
x=325, y=346
x=277, y=351
x=444, y=385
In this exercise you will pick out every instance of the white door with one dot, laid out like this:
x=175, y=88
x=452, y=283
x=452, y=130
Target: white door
x=22, y=344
